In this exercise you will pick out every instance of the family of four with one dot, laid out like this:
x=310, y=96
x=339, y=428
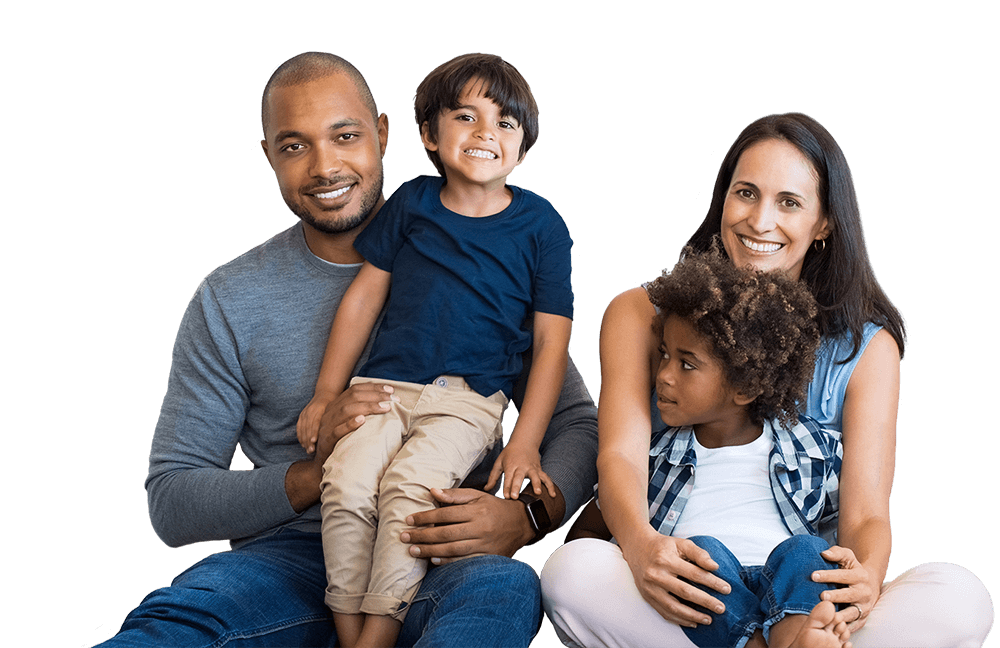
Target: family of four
x=363, y=359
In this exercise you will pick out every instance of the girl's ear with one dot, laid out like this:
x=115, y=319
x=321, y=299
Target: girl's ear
x=743, y=400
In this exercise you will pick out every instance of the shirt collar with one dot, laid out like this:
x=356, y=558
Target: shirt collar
x=676, y=445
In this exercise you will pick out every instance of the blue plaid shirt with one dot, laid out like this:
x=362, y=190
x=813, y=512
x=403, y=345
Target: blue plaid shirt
x=804, y=467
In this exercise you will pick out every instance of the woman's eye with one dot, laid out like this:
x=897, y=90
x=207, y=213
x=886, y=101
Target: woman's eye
x=788, y=202
x=744, y=193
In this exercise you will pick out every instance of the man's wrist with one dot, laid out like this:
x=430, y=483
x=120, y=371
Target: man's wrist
x=302, y=484
x=539, y=521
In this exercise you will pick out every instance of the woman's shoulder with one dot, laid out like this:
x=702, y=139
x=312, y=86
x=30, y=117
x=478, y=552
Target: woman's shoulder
x=633, y=304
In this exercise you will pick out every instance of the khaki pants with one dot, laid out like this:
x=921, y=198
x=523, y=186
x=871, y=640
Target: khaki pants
x=383, y=472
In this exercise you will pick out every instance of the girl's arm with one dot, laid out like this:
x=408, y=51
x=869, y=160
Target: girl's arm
x=589, y=524
x=352, y=326
x=521, y=459
x=869, y=437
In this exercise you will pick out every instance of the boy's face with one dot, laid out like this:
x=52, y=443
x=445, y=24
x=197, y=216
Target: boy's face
x=478, y=145
x=691, y=387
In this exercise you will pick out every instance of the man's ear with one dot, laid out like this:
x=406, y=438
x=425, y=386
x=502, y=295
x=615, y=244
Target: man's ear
x=267, y=154
x=383, y=132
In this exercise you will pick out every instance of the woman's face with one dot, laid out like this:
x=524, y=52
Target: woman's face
x=772, y=212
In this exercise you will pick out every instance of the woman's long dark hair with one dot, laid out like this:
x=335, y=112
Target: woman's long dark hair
x=839, y=274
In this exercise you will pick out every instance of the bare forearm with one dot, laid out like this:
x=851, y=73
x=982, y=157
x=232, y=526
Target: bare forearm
x=622, y=489
x=871, y=542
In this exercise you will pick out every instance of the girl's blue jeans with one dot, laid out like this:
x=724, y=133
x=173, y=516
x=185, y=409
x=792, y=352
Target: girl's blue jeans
x=270, y=593
x=761, y=595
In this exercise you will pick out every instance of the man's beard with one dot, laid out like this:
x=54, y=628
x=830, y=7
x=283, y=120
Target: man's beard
x=344, y=223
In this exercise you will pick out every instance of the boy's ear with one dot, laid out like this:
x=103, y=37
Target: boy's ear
x=425, y=137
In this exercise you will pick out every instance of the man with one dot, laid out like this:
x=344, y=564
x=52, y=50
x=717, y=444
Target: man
x=245, y=364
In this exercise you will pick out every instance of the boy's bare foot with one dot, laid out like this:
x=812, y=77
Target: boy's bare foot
x=821, y=630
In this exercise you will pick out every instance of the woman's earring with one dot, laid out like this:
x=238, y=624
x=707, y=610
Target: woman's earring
x=819, y=248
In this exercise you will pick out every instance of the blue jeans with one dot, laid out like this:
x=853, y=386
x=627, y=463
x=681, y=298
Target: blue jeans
x=761, y=595
x=270, y=593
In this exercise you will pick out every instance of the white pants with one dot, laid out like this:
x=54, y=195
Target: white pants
x=591, y=598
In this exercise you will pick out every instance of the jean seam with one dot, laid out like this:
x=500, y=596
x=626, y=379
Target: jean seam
x=265, y=630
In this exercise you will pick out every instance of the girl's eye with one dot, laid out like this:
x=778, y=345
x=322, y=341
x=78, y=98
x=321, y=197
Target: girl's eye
x=687, y=365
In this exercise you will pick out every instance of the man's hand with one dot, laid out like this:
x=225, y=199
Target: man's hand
x=468, y=522
x=342, y=416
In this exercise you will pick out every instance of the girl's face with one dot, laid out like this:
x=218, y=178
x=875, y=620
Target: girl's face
x=691, y=385
x=772, y=211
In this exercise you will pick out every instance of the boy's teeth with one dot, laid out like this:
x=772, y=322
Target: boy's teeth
x=332, y=194
x=480, y=154
x=760, y=247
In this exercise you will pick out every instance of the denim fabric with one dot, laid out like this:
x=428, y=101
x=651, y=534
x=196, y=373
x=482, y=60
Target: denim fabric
x=270, y=593
x=761, y=595
x=480, y=601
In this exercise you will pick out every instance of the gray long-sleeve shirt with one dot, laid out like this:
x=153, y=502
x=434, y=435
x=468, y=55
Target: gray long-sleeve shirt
x=245, y=363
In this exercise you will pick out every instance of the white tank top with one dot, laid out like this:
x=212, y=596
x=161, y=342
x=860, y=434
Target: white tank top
x=732, y=500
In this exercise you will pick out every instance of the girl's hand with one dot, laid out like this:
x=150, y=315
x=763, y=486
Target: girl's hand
x=516, y=463
x=658, y=564
x=859, y=589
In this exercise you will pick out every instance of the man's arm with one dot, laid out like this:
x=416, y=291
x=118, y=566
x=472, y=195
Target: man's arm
x=193, y=496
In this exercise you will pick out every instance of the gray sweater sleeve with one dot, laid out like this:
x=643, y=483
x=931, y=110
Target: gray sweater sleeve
x=193, y=495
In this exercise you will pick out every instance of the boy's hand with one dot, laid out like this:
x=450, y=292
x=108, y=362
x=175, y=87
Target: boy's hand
x=307, y=428
x=517, y=462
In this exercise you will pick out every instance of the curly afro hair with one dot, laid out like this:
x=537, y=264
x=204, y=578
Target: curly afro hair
x=762, y=327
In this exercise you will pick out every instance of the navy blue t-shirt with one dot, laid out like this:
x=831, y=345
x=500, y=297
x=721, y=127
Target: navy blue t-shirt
x=462, y=287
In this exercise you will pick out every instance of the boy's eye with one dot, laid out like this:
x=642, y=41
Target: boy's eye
x=507, y=124
x=464, y=117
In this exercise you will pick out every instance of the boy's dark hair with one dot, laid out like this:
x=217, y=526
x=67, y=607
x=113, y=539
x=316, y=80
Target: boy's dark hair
x=762, y=327
x=502, y=83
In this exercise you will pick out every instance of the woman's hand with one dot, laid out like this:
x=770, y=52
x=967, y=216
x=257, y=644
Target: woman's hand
x=659, y=563
x=860, y=587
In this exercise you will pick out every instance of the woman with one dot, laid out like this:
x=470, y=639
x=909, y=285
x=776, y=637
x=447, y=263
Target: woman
x=783, y=199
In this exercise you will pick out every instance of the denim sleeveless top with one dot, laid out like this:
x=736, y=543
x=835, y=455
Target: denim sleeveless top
x=825, y=399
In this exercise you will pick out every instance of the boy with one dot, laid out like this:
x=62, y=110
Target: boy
x=736, y=472
x=471, y=262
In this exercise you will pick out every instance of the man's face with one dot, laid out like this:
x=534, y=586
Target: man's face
x=326, y=151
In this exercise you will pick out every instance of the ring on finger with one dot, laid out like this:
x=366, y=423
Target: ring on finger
x=855, y=606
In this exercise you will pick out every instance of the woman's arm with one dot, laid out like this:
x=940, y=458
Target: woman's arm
x=629, y=351
x=869, y=437
x=629, y=359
